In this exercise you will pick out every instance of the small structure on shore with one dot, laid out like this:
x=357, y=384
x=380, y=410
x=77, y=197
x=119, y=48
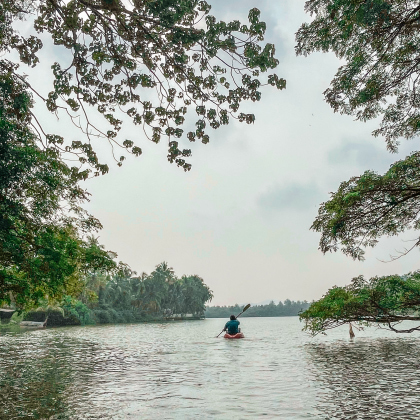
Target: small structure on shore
x=6, y=314
x=34, y=324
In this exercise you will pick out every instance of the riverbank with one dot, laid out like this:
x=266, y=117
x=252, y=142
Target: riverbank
x=57, y=318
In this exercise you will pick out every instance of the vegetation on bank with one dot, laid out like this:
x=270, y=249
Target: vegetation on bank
x=387, y=300
x=286, y=308
x=124, y=298
x=47, y=245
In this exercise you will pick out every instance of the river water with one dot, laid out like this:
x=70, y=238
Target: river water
x=179, y=370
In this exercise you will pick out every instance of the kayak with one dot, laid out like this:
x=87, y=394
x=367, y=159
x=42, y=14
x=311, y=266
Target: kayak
x=238, y=335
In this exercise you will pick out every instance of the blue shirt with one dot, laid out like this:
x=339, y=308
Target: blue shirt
x=232, y=327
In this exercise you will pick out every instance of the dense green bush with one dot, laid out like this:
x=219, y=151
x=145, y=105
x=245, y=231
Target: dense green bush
x=101, y=316
x=110, y=316
x=56, y=317
x=74, y=309
x=126, y=299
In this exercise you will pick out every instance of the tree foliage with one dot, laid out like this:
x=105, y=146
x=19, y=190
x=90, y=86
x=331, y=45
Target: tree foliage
x=122, y=298
x=160, y=294
x=379, y=42
x=384, y=301
x=145, y=61
x=370, y=206
x=45, y=247
x=149, y=61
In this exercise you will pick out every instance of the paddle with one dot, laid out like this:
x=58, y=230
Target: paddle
x=237, y=316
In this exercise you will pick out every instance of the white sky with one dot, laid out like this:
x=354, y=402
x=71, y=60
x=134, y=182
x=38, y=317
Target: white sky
x=240, y=218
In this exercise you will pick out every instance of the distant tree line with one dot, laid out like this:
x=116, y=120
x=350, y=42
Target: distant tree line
x=286, y=308
x=124, y=298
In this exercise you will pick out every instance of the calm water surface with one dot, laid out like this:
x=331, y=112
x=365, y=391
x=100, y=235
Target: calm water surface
x=179, y=370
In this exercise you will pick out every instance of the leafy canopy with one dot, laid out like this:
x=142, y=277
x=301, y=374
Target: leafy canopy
x=370, y=206
x=150, y=61
x=385, y=300
x=379, y=42
x=46, y=242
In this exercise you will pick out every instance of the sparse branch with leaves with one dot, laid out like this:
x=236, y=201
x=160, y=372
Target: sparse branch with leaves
x=379, y=42
x=150, y=61
x=370, y=206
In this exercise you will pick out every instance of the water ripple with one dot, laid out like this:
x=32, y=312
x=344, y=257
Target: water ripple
x=180, y=371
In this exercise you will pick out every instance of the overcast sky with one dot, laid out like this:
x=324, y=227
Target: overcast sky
x=240, y=218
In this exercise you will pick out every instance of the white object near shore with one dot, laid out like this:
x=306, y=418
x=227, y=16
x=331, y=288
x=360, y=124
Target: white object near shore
x=34, y=324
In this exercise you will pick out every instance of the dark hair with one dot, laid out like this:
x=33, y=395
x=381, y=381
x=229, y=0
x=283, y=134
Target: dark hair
x=232, y=317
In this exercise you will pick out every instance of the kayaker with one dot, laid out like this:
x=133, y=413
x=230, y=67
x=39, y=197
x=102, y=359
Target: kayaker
x=232, y=326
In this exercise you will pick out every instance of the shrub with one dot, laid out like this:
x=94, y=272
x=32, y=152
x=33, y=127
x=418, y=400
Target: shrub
x=55, y=317
x=75, y=309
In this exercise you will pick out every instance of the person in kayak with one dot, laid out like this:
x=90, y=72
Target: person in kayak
x=232, y=326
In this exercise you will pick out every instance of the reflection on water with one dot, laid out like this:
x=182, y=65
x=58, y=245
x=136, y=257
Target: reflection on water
x=179, y=370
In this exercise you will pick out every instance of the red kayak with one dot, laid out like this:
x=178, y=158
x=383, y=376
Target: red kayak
x=238, y=335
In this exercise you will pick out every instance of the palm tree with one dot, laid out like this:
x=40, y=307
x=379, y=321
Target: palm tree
x=195, y=294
